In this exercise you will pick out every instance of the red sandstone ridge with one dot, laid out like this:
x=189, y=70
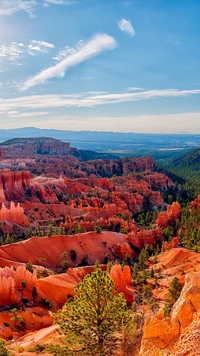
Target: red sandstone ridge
x=19, y=187
x=58, y=288
x=166, y=217
x=42, y=145
x=91, y=246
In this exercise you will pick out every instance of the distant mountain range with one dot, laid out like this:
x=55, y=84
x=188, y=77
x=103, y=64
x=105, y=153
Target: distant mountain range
x=160, y=146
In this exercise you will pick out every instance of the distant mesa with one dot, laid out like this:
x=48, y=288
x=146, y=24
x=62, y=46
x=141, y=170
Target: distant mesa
x=29, y=147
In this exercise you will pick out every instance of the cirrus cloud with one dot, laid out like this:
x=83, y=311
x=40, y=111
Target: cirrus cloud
x=59, y=2
x=89, y=99
x=9, y=7
x=83, y=52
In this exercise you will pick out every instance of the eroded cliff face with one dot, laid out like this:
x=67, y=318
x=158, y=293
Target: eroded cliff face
x=14, y=214
x=11, y=290
x=13, y=185
x=98, y=197
x=165, y=335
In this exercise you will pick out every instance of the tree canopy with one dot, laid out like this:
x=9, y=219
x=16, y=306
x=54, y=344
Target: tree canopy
x=91, y=320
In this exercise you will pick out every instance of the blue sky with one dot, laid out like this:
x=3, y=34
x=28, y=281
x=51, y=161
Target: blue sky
x=106, y=65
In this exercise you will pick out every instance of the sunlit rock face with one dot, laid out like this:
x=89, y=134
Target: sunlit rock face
x=13, y=185
x=166, y=217
x=11, y=287
x=13, y=214
x=162, y=334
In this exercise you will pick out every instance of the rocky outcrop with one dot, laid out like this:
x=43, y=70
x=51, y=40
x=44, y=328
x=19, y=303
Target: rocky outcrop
x=14, y=214
x=160, y=333
x=58, y=288
x=195, y=203
x=122, y=280
x=189, y=342
x=31, y=319
x=11, y=290
x=159, y=180
x=139, y=239
x=13, y=185
x=167, y=217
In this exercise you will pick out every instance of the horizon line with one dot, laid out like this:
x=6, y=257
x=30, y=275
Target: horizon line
x=102, y=131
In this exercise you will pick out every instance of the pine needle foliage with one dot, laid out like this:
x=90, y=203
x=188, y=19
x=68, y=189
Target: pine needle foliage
x=92, y=319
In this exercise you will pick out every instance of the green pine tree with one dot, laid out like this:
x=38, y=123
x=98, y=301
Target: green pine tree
x=91, y=320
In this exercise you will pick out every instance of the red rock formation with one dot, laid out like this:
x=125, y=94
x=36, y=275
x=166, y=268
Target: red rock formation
x=10, y=285
x=1, y=153
x=117, y=276
x=166, y=217
x=121, y=280
x=195, y=203
x=34, y=319
x=58, y=288
x=127, y=274
x=123, y=250
x=13, y=185
x=162, y=219
x=174, y=211
x=161, y=181
x=161, y=333
x=141, y=238
x=13, y=214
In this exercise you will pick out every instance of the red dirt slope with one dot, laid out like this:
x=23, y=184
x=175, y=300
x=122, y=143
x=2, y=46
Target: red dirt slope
x=90, y=245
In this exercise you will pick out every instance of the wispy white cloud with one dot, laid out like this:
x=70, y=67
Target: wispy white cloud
x=11, y=52
x=89, y=99
x=63, y=53
x=126, y=26
x=26, y=114
x=35, y=47
x=59, y=2
x=9, y=7
x=15, y=51
x=134, y=88
x=83, y=52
